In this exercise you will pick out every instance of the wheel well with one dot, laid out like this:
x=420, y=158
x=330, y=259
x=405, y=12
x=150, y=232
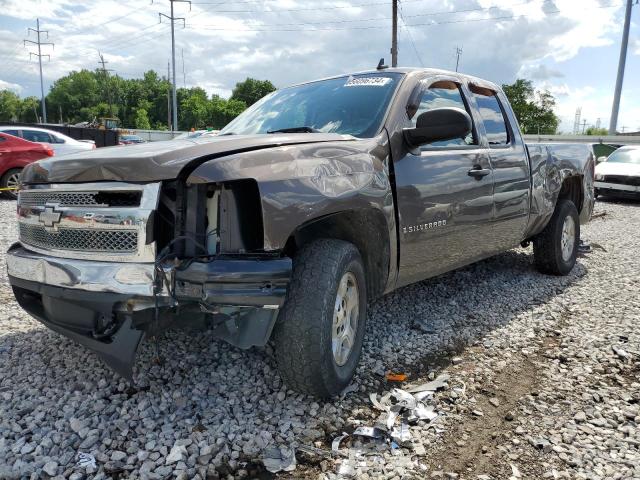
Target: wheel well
x=366, y=229
x=572, y=190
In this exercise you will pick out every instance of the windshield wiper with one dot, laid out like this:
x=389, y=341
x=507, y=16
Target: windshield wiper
x=228, y=133
x=303, y=129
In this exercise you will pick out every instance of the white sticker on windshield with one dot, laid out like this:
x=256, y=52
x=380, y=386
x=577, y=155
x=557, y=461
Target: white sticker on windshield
x=367, y=81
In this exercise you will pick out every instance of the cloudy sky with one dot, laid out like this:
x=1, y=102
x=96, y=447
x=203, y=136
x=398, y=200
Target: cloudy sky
x=570, y=47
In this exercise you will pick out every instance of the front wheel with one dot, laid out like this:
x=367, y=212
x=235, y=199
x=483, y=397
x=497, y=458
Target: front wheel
x=319, y=332
x=11, y=179
x=555, y=249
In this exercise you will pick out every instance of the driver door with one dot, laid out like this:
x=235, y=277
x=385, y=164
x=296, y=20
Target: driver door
x=444, y=208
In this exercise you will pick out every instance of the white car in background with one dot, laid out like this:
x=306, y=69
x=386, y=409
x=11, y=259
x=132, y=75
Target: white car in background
x=61, y=144
x=619, y=173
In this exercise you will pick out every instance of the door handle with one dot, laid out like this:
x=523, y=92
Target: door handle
x=478, y=172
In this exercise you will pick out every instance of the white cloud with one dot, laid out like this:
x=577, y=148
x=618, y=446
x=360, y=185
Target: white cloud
x=635, y=46
x=14, y=87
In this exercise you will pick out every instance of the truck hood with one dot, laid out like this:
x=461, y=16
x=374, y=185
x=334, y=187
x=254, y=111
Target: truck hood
x=150, y=162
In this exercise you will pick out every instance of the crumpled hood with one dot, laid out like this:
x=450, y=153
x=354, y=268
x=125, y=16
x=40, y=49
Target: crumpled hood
x=614, y=168
x=157, y=161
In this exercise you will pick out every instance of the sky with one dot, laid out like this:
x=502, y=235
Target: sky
x=569, y=47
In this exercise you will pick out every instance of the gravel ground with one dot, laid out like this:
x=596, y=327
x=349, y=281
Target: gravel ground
x=543, y=384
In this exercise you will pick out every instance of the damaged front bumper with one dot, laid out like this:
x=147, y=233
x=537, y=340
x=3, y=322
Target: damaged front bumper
x=109, y=306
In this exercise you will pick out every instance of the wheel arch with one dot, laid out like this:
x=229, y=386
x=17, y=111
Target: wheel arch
x=365, y=228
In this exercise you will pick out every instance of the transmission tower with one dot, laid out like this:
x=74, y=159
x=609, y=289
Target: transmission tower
x=39, y=43
x=458, y=53
x=576, y=121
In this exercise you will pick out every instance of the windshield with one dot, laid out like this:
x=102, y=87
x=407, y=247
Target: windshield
x=625, y=156
x=353, y=105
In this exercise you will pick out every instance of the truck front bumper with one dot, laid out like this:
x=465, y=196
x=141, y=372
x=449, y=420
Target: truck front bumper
x=110, y=306
x=617, y=188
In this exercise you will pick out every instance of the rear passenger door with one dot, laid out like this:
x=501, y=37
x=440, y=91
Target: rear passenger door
x=509, y=160
x=444, y=209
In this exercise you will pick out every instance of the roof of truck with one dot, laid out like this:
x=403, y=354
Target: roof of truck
x=413, y=70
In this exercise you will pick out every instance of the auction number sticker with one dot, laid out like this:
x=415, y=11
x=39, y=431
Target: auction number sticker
x=367, y=81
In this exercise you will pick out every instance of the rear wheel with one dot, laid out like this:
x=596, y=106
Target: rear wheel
x=11, y=179
x=555, y=249
x=318, y=336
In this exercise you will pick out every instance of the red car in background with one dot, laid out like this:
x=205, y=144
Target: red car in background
x=15, y=154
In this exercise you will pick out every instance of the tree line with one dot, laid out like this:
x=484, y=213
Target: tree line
x=141, y=103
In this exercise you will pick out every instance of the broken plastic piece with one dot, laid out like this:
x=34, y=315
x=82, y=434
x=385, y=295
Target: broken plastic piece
x=425, y=412
x=279, y=459
x=349, y=389
x=371, y=432
x=378, y=404
x=402, y=435
x=86, y=460
x=392, y=415
x=433, y=386
x=310, y=450
x=346, y=469
x=335, y=445
x=405, y=399
x=396, y=377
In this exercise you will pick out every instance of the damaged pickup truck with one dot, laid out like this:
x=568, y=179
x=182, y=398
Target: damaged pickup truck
x=315, y=201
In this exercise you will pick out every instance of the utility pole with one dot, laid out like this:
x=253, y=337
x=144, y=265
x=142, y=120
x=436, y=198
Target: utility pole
x=184, y=75
x=584, y=124
x=458, y=53
x=174, y=124
x=394, y=34
x=169, y=124
x=105, y=72
x=37, y=31
x=621, y=64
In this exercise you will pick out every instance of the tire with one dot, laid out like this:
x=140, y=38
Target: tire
x=10, y=179
x=549, y=255
x=304, y=330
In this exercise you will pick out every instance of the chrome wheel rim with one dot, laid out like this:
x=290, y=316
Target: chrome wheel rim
x=345, y=319
x=568, y=239
x=13, y=181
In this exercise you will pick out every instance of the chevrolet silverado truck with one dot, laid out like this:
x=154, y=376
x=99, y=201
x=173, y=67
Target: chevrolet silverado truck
x=316, y=200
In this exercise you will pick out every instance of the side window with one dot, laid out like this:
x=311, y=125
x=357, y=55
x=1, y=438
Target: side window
x=492, y=116
x=55, y=139
x=15, y=133
x=36, y=136
x=440, y=94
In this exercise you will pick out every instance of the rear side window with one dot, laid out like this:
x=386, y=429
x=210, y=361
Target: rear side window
x=15, y=133
x=438, y=95
x=36, y=136
x=492, y=116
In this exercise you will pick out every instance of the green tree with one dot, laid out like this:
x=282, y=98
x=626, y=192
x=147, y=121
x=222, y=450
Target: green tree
x=533, y=109
x=251, y=90
x=142, y=119
x=194, y=108
x=29, y=109
x=75, y=94
x=9, y=106
x=596, y=131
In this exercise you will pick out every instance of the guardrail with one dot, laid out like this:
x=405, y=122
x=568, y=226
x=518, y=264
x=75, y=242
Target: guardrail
x=610, y=139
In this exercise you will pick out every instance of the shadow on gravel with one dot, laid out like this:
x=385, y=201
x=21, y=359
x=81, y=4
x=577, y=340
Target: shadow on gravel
x=210, y=393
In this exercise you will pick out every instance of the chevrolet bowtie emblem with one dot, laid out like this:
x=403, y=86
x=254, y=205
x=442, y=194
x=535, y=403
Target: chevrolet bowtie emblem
x=49, y=217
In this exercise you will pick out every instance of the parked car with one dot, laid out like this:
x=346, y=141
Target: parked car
x=314, y=201
x=130, y=139
x=619, y=173
x=61, y=144
x=15, y=154
x=196, y=134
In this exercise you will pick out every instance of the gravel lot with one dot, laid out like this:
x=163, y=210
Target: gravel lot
x=543, y=383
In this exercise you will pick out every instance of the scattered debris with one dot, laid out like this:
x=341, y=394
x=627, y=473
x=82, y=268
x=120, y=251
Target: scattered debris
x=311, y=450
x=402, y=435
x=371, y=432
x=584, y=247
x=396, y=377
x=346, y=469
x=494, y=401
x=433, y=386
x=352, y=387
x=86, y=460
x=279, y=459
x=477, y=413
x=425, y=412
x=335, y=445
x=515, y=473
x=621, y=353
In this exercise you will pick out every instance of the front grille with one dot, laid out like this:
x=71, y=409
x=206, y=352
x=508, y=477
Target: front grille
x=622, y=179
x=94, y=240
x=34, y=198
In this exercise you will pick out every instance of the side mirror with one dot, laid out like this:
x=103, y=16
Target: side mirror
x=438, y=124
x=601, y=159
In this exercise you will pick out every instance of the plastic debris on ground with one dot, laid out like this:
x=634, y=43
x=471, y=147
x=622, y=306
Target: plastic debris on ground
x=279, y=459
x=433, y=386
x=335, y=445
x=396, y=377
x=86, y=460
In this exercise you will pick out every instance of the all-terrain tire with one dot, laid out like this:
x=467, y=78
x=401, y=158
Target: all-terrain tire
x=8, y=180
x=303, y=332
x=548, y=244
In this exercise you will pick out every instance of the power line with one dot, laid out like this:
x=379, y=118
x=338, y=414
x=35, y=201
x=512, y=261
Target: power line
x=39, y=43
x=408, y=30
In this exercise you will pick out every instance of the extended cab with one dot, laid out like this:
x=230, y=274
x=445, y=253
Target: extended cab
x=316, y=200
